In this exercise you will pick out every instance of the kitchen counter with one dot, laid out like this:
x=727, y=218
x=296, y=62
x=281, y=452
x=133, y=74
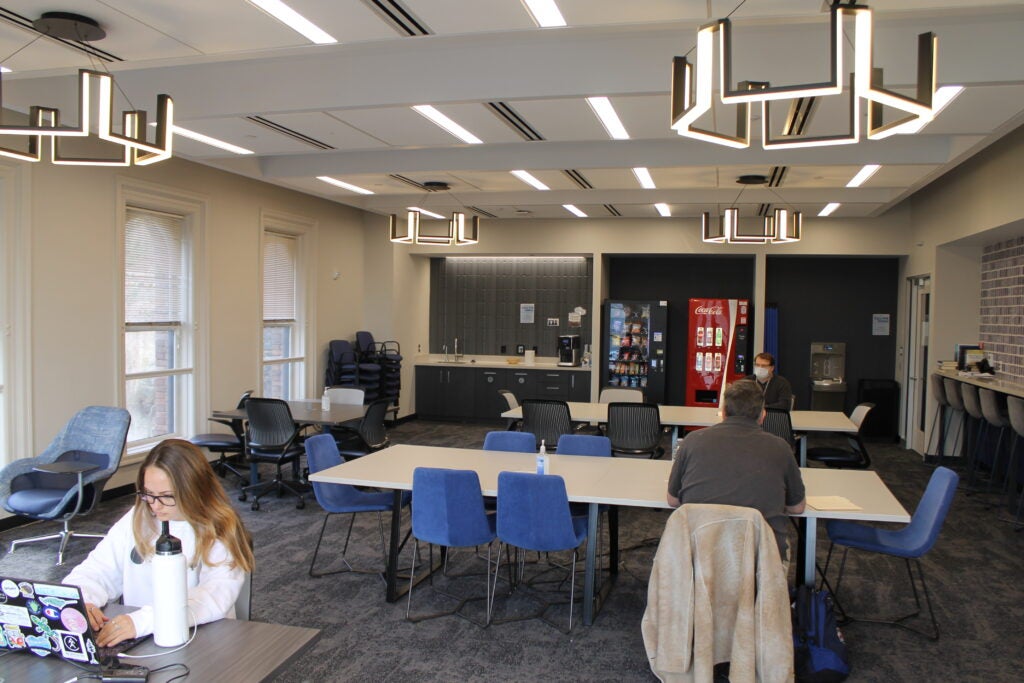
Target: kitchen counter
x=494, y=362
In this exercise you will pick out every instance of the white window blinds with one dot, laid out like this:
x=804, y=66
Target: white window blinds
x=279, y=265
x=154, y=270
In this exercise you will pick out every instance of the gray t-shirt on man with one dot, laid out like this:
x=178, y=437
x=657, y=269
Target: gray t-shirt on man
x=737, y=463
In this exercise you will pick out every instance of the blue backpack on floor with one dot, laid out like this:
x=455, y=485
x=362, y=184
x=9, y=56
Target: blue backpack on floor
x=820, y=655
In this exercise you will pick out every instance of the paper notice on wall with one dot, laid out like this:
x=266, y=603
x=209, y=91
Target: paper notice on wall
x=526, y=313
x=575, y=319
x=880, y=324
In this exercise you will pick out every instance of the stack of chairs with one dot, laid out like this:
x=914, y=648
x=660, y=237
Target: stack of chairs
x=346, y=369
x=387, y=356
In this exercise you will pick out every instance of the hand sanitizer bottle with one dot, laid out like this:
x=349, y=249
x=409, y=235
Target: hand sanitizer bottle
x=170, y=591
x=325, y=402
x=542, y=459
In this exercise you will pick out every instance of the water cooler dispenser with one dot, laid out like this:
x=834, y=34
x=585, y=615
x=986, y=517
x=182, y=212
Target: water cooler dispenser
x=828, y=376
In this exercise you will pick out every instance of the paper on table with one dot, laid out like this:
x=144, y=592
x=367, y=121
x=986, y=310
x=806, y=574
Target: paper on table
x=831, y=503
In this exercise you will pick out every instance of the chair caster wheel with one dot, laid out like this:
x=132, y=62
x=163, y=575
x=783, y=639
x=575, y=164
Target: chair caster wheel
x=300, y=505
x=255, y=505
x=242, y=497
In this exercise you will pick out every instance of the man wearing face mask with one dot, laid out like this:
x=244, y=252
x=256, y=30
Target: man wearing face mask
x=777, y=391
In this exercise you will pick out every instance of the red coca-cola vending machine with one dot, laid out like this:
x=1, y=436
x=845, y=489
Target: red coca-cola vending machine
x=719, y=348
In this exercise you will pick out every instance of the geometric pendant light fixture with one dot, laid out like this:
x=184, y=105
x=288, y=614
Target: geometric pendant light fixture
x=778, y=226
x=95, y=95
x=693, y=87
x=459, y=232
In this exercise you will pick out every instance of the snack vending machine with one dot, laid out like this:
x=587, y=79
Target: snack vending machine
x=635, y=341
x=719, y=348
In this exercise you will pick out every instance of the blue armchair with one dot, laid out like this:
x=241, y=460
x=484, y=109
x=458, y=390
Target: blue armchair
x=67, y=479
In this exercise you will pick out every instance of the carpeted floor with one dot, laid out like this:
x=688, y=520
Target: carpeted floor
x=973, y=573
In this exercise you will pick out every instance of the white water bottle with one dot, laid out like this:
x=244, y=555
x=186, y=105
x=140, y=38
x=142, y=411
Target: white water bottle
x=325, y=402
x=170, y=591
x=542, y=459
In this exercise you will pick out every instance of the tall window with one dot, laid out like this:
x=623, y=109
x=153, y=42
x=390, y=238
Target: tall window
x=284, y=356
x=158, y=340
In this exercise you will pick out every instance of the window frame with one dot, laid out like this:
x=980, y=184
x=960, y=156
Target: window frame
x=193, y=408
x=303, y=230
x=16, y=417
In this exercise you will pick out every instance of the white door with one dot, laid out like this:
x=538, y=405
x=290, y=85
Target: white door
x=916, y=396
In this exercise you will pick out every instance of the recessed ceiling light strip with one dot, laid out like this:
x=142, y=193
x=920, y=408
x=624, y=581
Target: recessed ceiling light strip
x=545, y=13
x=445, y=123
x=663, y=210
x=207, y=140
x=574, y=210
x=529, y=179
x=608, y=117
x=295, y=21
x=863, y=174
x=342, y=184
x=643, y=176
x=283, y=130
x=399, y=17
x=829, y=209
x=511, y=117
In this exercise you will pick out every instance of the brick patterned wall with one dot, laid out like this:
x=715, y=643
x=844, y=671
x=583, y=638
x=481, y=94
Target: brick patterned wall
x=1002, y=306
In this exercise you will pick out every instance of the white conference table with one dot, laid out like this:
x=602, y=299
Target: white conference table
x=693, y=416
x=613, y=481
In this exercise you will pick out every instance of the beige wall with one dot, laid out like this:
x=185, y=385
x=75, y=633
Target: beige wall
x=71, y=222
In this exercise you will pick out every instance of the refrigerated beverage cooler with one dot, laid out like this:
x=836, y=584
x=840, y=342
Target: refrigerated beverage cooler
x=718, y=351
x=635, y=343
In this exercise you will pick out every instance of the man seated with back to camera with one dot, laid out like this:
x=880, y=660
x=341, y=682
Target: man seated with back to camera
x=776, y=389
x=735, y=462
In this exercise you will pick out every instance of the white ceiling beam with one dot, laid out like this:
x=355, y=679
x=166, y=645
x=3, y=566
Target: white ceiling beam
x=918, y=149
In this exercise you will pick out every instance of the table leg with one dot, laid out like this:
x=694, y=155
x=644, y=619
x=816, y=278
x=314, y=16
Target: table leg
x=675, y=437
x=590, y=566
x=803, y=451
x=806, y=549
x=391, y=574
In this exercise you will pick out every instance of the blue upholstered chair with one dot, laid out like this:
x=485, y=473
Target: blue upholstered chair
x=533, y=514
x=340, y=499
x=911, y=542
x=449, y=512
x=515, y=442
x=584, y=444
x=67, y=479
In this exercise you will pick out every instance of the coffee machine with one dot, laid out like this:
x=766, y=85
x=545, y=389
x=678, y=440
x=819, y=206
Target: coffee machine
x=569, y=349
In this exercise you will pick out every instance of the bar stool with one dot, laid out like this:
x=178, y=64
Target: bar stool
x=995, y=416
x=1015, y=408
x=956, y=403
x=975, y=428
x=941, y=414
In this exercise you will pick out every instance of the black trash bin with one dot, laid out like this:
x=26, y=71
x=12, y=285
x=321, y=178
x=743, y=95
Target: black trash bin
x=883, y=421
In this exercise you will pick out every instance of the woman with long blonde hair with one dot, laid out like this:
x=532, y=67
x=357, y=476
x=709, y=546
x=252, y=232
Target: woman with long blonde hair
x=176, y=484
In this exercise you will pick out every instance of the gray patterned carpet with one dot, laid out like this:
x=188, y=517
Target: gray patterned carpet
x=974, y=573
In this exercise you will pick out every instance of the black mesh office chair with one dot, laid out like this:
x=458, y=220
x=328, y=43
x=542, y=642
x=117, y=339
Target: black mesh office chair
x=229, y=446
x=371, y=434
x=778, y=422
x=547, y=420
x=856, y=457
x=273, y=437
x=635, y=429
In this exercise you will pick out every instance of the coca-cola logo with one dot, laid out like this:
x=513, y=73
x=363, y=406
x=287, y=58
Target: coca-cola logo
x=708, y=310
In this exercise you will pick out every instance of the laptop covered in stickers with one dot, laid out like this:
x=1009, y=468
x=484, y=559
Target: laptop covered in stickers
x=47, y=618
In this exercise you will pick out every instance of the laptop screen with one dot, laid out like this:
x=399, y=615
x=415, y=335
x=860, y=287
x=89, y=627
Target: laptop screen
x=46, y=618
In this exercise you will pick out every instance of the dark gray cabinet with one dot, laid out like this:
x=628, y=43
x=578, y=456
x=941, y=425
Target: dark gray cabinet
x=467, y=392
x=489, y=403
x=444, y=391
